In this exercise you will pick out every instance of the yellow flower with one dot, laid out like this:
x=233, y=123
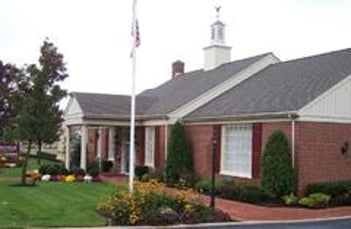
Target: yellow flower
x=70, y=178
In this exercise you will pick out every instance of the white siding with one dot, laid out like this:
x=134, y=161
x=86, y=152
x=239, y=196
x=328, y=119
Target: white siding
x=73, y=114
x=216, y=55
x=73, y=108
x=333, y=105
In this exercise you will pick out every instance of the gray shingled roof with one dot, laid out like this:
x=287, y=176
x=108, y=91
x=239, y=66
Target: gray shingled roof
x=285, y=86
x=103, y=105
x=164, y=98
x=182, y=89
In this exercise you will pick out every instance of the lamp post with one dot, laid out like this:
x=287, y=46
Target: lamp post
x=213, y=181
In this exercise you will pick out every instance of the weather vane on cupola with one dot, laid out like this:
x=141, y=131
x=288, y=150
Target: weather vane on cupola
x=217, y=28
x=218, y=11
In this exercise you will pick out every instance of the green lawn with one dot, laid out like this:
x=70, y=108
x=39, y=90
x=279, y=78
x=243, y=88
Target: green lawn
x=52, y=204
x=17, y=171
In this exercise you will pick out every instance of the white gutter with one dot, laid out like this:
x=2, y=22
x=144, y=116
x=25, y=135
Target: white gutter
x=166, y=141
x=293, y=120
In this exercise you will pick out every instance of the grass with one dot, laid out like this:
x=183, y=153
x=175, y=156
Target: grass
x=52, y=204
x=16, y=171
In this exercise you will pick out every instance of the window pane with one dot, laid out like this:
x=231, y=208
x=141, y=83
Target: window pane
x=149, y=146
x=237, y=155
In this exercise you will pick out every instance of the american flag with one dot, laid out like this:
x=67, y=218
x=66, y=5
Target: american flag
x=137, y=34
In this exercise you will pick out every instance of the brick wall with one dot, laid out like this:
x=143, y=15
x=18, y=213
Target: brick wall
x=140, y=149
x=92, y=144
x=319, y=156
x=199, y=138
x=160, y=147
x=104, y=143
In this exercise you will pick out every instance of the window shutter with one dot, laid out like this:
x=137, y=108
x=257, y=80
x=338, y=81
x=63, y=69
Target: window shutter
x=141, y=144
x=157, y=147
x=217, y=129
x=256, y=149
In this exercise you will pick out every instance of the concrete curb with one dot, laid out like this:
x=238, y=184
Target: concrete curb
x=214, y=225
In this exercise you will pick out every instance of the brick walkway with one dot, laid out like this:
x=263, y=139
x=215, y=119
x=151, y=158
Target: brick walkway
x=249, y=212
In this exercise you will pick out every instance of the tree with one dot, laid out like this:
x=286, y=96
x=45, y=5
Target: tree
x=7, y=88
x=36, y=100
x=46, y=95
x=18, y=128
x=179, y=160
x=278, y=175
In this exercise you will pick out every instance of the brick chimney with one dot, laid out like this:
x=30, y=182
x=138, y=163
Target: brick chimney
x=177, y=68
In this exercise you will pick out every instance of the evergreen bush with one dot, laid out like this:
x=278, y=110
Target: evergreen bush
x=140, y=170
x=277, y=177
x=179, y=159
x=334, y=189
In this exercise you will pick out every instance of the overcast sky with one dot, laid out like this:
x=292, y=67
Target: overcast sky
x=94, y=35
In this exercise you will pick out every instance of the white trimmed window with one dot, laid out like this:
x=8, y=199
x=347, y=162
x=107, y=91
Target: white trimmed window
x=150, y=146
x=236, y=150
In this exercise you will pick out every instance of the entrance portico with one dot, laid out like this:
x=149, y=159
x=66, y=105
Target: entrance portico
x=103, y=138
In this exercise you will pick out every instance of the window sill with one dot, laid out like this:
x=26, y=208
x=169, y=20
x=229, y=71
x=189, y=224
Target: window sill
x=231, y=174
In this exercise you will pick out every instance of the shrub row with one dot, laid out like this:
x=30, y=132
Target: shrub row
x=59, y=169
x=229, y=190
x=333, y=189
x=313, y=200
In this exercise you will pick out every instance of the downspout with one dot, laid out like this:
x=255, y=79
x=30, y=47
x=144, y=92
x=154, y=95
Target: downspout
x=292, y=117
x=166, y=141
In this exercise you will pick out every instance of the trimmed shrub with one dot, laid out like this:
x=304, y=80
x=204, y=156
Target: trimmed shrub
x=226, y=187
x=290, y=200
x=93, y=169
x=106, y=166
x=205, y=185
x=277, y=176
x=140, y=170
x=342, y=200
x=331, y=188
x=78, y=172
x=157, y=174
x=179, y=159
x=251, y=194
x=53, y=169
x=315, y=200
x=44, y=169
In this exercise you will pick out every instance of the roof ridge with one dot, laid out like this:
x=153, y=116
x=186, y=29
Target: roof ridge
x=243, y=59
x=315, y=55
x=96, y=93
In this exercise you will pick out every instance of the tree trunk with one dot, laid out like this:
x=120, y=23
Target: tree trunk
x=39, y=152
x=25, y=164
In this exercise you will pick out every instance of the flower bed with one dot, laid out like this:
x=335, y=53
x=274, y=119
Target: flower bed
x=57, y=172
x=150, y=204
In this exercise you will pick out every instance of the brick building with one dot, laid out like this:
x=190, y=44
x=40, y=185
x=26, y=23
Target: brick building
x=243, y=101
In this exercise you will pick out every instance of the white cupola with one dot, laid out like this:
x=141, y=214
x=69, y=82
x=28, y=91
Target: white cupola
x=217, y=53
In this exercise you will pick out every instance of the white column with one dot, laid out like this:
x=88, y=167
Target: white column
x=111, y=144
x=99, y=153
x=83, y=148
x=67, y=147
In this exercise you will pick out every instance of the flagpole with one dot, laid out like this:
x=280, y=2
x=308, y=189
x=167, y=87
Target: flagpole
x=132, y=105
